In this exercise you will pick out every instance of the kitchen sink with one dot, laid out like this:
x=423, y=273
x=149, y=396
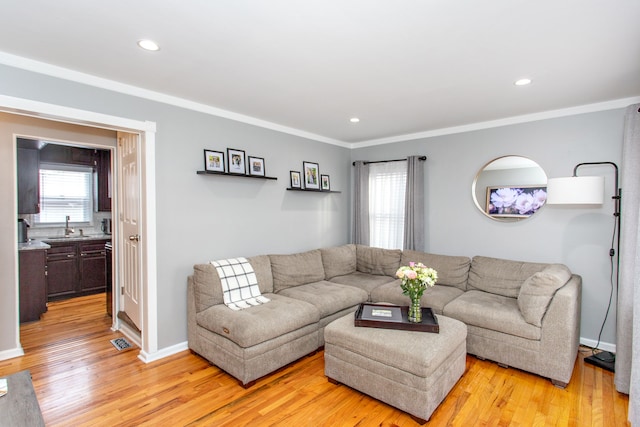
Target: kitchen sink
x=78, y=237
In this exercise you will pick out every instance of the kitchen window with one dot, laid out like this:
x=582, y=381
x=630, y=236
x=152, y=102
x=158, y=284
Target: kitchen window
x=65, y=190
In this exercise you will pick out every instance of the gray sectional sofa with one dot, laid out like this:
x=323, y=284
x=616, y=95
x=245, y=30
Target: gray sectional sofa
x=519, y=314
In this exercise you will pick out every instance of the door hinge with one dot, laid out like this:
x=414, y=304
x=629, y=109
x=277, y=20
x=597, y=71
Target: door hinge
x=122, y=290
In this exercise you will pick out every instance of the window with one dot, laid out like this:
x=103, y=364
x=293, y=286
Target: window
x=65, y=190
x=387, y=188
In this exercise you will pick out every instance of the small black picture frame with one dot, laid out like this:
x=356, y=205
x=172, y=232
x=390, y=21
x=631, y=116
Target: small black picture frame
x=325, y=183
x=256, y=166
x=237, y=161
x=213, y=161
x=294, y=177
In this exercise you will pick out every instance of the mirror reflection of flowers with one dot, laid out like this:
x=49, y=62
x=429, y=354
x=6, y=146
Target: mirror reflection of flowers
x=521, y=201
x=416, y=277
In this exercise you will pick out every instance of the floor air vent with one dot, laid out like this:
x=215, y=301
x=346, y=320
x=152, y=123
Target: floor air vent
x=121, y=343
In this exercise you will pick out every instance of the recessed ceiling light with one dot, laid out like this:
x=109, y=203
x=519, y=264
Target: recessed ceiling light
x=523, y=82
x=354, y=120
x=148, y=45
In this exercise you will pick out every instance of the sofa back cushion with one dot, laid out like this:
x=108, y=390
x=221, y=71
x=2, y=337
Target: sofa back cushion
x=208, y=289
x=452, y=270
x=500, y=276
x=538, y=290
x=338, y=261
x=379, y=261
x=296, y=269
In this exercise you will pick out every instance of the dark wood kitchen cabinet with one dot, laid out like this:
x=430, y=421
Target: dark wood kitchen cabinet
x=76, y=268
x=33, y=284
x=28, y=162
x=64, y=154
x=103, y=171
x=62, y=270
x=93, y=277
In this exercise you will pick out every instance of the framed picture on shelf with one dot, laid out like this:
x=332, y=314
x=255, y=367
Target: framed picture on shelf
x=325, y=183
x=256, y=166
x=515, y=201
x=295, y=179
x=213, y=161
x=236, y=161
x=311, y=173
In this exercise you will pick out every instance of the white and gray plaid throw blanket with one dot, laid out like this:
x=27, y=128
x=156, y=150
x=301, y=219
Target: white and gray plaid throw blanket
x=239, y=283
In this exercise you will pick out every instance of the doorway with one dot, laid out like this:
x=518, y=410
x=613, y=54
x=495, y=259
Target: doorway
x=146, y=133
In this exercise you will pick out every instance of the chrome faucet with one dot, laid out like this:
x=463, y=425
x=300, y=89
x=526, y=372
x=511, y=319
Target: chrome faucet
x=67, y=230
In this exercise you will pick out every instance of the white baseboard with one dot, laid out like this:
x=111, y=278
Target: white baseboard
x=162, y=353
x=10, y=354
x=602, y=346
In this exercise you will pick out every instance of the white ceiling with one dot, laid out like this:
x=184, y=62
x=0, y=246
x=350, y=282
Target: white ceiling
x=402, y=67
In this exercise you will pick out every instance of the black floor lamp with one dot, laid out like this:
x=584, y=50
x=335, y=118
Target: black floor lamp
x=589, y=190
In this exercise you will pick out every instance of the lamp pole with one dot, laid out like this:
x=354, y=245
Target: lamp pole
x=605, y=359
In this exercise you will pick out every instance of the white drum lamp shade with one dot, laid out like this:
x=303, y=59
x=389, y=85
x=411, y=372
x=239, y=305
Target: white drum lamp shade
x=576, y=190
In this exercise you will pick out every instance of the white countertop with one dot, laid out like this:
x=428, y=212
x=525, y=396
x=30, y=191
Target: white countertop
x=33, y=245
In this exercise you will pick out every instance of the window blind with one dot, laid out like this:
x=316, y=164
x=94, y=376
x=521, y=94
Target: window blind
x=65, y=190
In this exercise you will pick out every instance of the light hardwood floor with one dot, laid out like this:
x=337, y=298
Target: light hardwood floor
x=81, y=379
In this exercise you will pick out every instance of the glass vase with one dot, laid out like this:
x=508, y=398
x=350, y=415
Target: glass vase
x=415, y=311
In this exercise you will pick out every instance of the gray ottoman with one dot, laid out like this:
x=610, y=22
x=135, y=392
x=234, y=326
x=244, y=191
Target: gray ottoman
x=412, y=371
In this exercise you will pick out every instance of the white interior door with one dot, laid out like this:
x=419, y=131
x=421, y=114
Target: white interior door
x=129, y=226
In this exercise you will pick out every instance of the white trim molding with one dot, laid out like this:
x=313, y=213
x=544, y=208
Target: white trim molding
x=10, y=354
x=165, y=352
x=147, y=131
x=604, y=346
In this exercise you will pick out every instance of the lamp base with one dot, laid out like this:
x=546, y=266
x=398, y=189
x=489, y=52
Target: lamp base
x=605, y=360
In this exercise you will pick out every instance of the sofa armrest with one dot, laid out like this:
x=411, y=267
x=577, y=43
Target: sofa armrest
x=561, y=330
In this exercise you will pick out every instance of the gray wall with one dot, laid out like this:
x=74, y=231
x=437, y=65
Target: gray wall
x=577, y=237
x=201, y=218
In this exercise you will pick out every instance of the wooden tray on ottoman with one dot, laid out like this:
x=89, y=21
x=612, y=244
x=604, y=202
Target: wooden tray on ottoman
x=387, y=316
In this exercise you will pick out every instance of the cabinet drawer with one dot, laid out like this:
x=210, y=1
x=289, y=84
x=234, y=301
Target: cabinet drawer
x=92, y=247
x=63, y=249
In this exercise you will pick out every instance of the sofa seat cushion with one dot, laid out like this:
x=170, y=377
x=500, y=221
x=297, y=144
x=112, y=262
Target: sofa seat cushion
x=260, y=323
x=327, y=297
x=452, y=270
x=491, y=311
x=500, y=276
x=383, y=262
x=365, y=281
x=435, y=297
x=296, y=269
x=338, y=260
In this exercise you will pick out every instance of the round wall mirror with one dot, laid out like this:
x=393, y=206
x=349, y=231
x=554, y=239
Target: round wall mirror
x=510, y=188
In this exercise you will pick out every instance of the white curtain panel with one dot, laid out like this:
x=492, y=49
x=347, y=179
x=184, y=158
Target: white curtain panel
x=627, y=376
x=387, y=188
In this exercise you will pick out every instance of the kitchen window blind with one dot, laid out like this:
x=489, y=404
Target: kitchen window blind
x=65, y=190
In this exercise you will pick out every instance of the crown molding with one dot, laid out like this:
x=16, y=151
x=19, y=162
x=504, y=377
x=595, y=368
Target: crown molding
x=91, y=80
x=99, y=82
x=544, y=115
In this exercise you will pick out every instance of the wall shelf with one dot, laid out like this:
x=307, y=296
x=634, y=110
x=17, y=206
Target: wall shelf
x=312, y=191
x=235, y=174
